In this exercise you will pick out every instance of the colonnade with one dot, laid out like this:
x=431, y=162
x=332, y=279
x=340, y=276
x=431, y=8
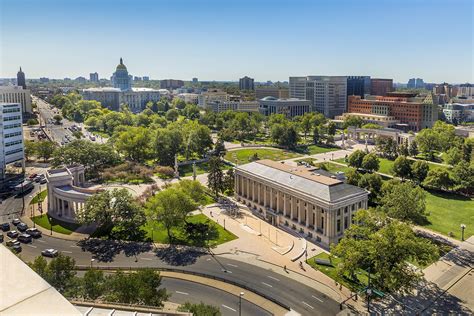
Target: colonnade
x=65, y=207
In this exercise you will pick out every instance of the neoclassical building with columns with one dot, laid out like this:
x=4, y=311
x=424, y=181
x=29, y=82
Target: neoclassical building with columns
x=314, y=204
x=66, y=192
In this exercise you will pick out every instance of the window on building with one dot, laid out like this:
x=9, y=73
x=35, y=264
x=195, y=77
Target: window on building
x=338, y=225
x=339, y=212
x=346, y=222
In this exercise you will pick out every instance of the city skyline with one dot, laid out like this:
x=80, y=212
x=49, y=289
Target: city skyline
x=224, y=42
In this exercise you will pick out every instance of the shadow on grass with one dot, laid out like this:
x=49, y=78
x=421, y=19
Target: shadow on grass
x=448, y=195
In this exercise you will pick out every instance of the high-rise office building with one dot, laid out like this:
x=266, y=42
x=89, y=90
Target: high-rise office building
x=417, y=83
x=146, y=78
x=328, y=94
x=94, y=77
x=195, y=80
x=276, y=92
x=381, y=86
x=16, y=94
x=20, y=79
x=246, y=83
x=171, y=84
x=11, y=135
x=358, y=85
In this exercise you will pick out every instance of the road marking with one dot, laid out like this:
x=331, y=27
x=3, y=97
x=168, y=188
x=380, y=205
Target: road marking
x=307, y=305
x=65, y=251
x=208, y=259
x=183, y=293
x=267, y=284
x=42, y=241
x=229, y=308
x=226, y=271
x=273, y=278
x=74, y=246
x=32, y=246
x=317, y=298
x=232, y=265
x=149, y=259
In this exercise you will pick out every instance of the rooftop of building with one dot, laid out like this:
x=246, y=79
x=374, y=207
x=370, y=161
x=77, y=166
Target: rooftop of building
x=110, y=89
x=24, y=292
x=305, y=180
x=270, y=98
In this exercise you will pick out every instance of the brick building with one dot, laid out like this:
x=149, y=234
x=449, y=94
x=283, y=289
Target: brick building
x=414, y=112
x=381, y=86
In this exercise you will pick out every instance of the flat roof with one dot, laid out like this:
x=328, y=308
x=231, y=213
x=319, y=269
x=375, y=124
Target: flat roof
x=23, y=292
x=304, y=180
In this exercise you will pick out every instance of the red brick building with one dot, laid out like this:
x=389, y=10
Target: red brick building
x=381, y=86
x=413, y=112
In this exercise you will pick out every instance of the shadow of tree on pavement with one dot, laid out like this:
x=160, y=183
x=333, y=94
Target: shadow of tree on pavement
x=179, y=256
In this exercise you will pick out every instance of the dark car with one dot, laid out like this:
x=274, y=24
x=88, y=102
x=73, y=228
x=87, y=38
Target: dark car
x=50, y=253
x=24, y=238
x=34, y=232
x=5, y=227
x=13, y=234
x=32, y=176
x=16, y=221
x=22, y=227
x=16, y=248
x=43, y=181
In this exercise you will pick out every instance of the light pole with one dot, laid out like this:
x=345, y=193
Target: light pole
x=92, y=261
x=240, y=303
x=50, y=225
x=463, y=227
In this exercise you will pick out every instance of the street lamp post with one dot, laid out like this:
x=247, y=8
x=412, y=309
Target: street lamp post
x=463, y=227
x=240, y=303
x=50, y=225
x=92, y=261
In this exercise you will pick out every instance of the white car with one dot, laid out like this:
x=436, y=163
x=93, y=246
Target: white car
x=50, y=253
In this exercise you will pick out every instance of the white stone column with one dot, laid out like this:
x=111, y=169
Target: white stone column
x=265, y=196
x=284, y=204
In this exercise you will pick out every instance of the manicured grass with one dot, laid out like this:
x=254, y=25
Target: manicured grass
x=331, y=272
x=448, y=211
x=218, y=236
x=201, y=168
x=58, y=226
x=39, y=197
x=332, y=167
x=314, y=149
x=242, y=156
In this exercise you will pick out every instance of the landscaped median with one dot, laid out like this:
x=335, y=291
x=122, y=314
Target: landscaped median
x=56, y=225
x=251, y=295
x=246, y=155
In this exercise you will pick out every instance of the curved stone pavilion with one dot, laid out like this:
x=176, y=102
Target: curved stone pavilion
x=66, y=192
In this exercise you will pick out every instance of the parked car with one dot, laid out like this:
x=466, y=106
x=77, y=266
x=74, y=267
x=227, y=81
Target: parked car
x=12, y=242
x=5, y=227
x=22, y=227
x=16, y=248
x=50, y=253
x=24, y=238
x=43, y=181
x=32, y=176
x=13, y=234
x=34, y=232
x=16, y=221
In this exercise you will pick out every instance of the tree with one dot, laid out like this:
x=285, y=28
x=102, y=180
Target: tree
x=200, y=309
x=285, y=134
x=352, y=120
x=331, y=128
x=30, y=149
x=116, y=213
x=219, y=148
x=45, y=149
x=413, y=148
x=402, y=167
x=353, y=177
x=93, y=156
x=40, y=266
x=356, y=158
x=134, y=143
x=316, y=136
x=215, y=178
x=168, y=142
x=149, y=293
x=172, y=115
x=387, y=147
x=370, y=162
x=60, y=272
x=191, y=111
x=169, y=208
x=463, y=176
x=419, y=171
x=438, y=178
x=229, y=180
x=92, y=284
x=428, y=142
x=404, y=201
x=384, y=248
x=453, y=155
x=57, y=119
x=179, y=103
x=307, y=122
x=372, y=182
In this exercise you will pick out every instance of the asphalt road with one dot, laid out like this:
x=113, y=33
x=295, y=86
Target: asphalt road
x=11, y=207
x=301, y=298
x=57, y=132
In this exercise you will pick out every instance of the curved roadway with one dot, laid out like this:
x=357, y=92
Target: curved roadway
x=300, y=297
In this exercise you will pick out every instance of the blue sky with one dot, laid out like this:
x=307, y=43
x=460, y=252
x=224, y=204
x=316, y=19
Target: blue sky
x=225, y=40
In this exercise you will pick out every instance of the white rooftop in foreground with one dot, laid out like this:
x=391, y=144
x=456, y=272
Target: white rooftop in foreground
x=23, y=292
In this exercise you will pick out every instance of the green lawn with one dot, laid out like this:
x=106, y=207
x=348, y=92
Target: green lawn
x=201, y=168
x=58, y=226
x=218, y=235
x=448, y=211
x=332, y=167
x=39, y=197
x=242, y=156
x=331, y=272
x=314, y=149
